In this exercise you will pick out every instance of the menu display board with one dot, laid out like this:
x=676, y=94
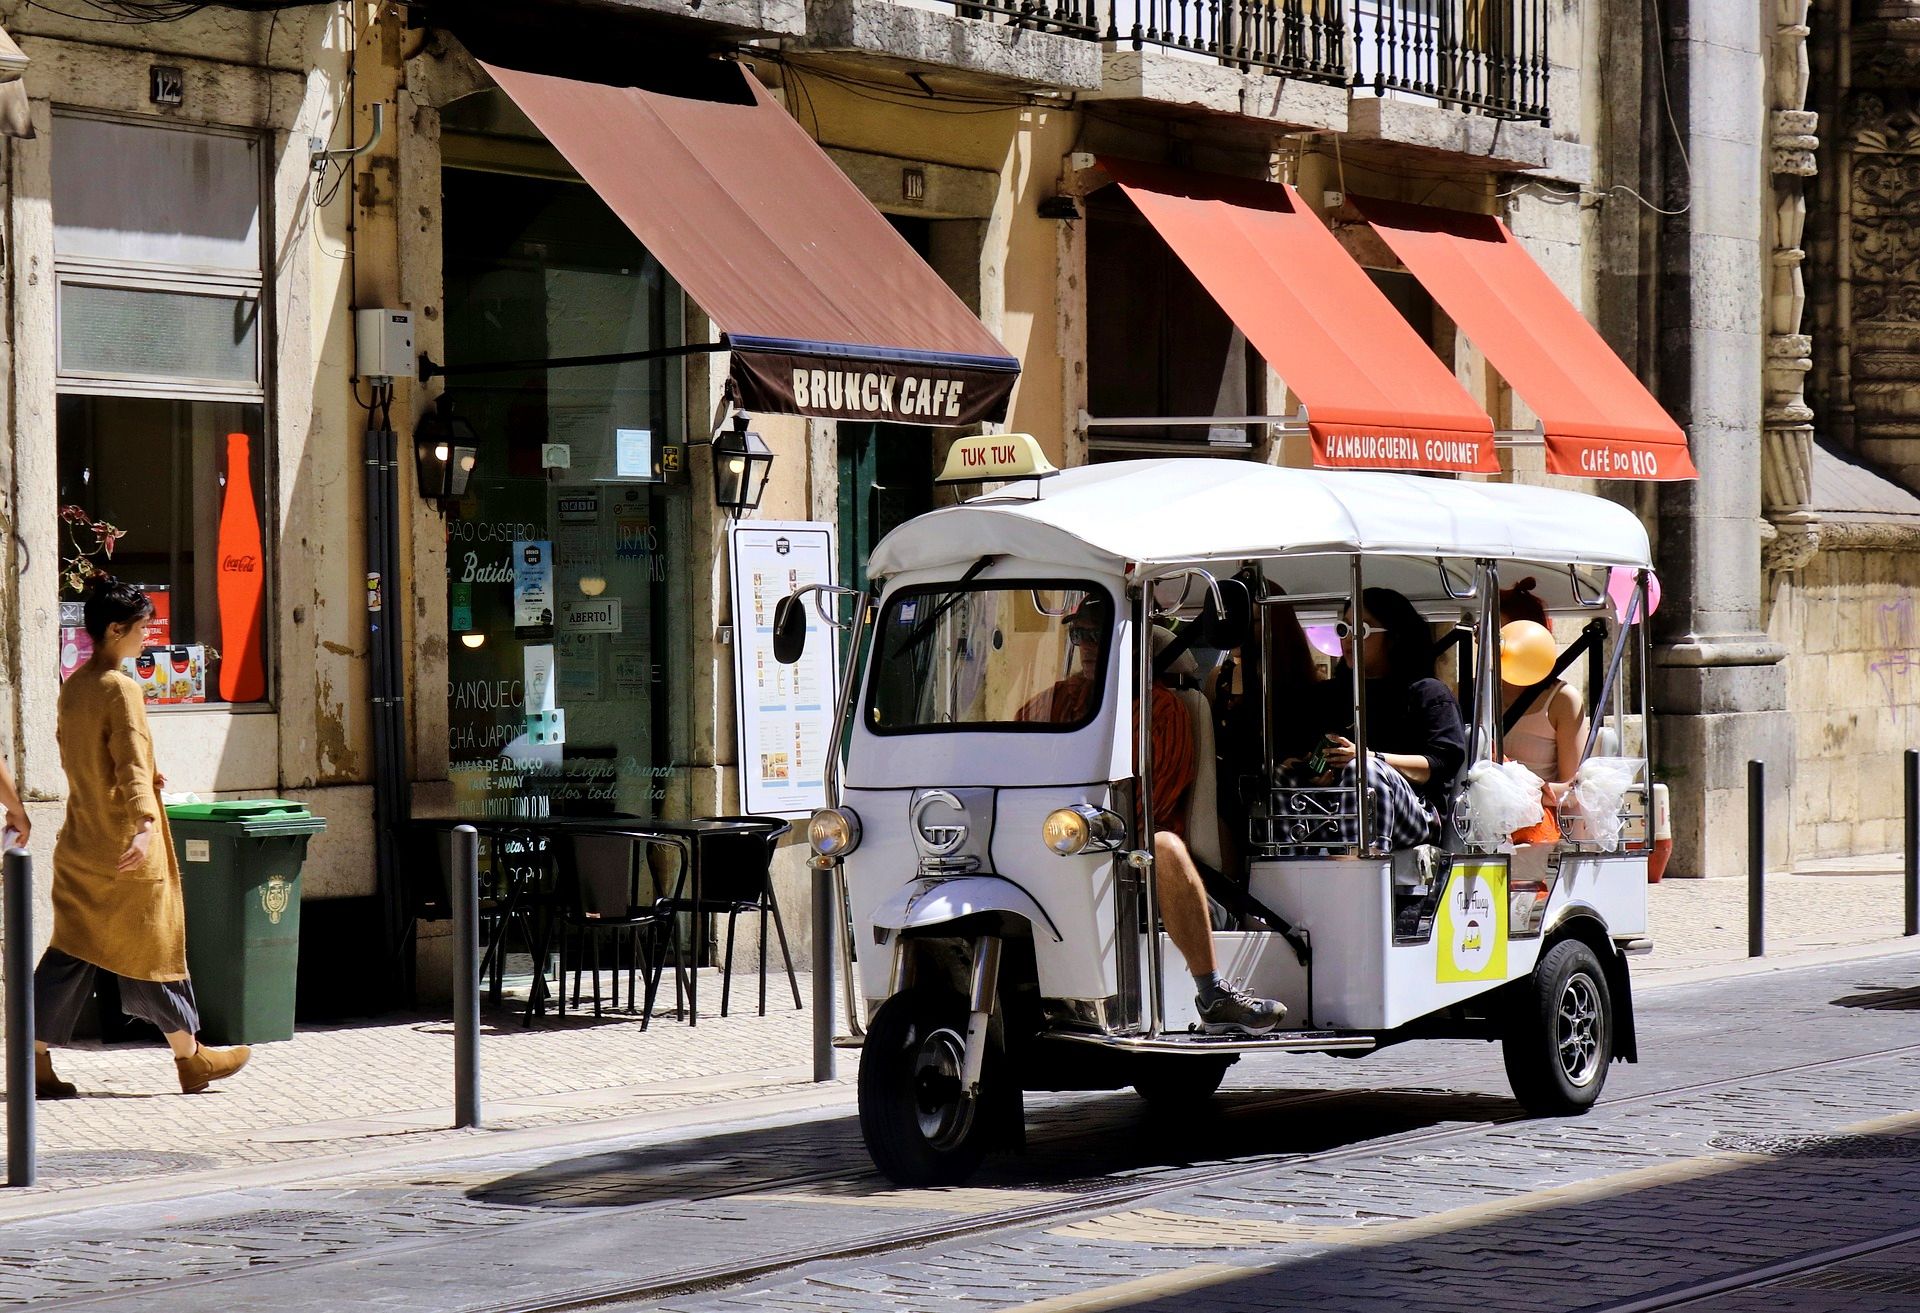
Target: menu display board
x=785, y=712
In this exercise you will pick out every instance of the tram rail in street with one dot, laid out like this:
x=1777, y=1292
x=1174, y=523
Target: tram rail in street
x=1754, y=1278
x=1086, y=1203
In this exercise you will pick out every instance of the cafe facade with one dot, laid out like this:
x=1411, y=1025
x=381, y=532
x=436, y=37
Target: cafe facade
x=615, y=239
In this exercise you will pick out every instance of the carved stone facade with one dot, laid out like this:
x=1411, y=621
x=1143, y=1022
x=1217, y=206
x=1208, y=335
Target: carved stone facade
x=1866, y=384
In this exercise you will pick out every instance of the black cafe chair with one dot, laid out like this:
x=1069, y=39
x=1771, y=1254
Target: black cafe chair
x=608, y=894
x=736, y=875
x=430, y=867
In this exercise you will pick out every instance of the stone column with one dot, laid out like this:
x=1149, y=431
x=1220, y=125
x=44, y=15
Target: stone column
x=1718, y=686
x=1787, y=448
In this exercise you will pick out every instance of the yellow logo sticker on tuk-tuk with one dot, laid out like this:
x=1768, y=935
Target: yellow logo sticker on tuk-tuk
x=1471, y=929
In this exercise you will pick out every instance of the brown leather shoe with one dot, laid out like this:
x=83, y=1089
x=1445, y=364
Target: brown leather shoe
x=46, y=1084
x=209, y=1065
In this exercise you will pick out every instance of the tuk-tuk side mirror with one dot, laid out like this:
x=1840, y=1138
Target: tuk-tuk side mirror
x=789, y=629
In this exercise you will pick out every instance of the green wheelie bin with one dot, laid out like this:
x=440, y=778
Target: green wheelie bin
x=240, y=869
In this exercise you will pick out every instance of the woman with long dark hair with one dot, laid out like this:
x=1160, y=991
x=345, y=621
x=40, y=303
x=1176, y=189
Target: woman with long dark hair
x=117, y=904
x=1415, y=740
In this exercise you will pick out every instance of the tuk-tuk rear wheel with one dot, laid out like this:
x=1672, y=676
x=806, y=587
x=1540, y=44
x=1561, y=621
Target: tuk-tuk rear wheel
x=1559, y=1036
x=920, y=1126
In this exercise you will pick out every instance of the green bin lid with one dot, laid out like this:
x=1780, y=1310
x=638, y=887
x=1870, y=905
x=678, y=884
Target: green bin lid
x=240, y=809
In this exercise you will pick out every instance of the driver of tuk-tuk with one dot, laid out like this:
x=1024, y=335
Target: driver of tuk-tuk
x=1222, y=1004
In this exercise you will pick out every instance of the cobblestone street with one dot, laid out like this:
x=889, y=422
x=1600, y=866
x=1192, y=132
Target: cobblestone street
x=387, y=1085
x=1772, y=1115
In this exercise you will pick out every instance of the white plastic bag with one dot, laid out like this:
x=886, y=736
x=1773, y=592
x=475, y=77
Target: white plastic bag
x=1501, y=797
x=1590, y=809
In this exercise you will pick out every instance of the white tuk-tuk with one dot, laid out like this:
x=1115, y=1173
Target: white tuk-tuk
x=998, y=867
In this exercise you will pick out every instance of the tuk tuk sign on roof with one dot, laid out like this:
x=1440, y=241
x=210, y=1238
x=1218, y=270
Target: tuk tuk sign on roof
x=994, y=457
x=1104, y=517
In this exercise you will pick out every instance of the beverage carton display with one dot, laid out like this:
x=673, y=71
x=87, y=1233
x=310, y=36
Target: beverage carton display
x=187, y=673
x=149, y=671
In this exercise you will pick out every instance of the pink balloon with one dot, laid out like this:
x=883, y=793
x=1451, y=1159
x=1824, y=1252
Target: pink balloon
x=1620, y=586
x=1325, y=639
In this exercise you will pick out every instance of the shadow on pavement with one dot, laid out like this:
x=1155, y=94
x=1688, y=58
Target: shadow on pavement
x=1590, y=1246
x=1073, y=1142
x=1882, y=998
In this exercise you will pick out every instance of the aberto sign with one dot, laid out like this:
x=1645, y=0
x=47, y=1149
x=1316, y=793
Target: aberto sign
x=853, y=383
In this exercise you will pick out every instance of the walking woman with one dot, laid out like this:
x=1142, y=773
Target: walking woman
x=117, y=904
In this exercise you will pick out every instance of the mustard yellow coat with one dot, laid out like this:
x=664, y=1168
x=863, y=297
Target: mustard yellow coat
x=132, y=923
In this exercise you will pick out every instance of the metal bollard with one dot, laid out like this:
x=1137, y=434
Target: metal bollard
x=465, y=872
x=823, y=932
x=1756, y=859
x=1913, y=842
x=17, y=909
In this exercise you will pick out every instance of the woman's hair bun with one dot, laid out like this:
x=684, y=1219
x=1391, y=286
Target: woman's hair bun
x=1526, y=585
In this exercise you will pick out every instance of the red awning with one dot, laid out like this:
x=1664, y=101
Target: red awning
x=1600, y=421
x=1376, y=396
x=826, y=309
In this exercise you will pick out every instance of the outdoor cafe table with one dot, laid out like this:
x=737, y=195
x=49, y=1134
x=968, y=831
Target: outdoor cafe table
x=686, y=835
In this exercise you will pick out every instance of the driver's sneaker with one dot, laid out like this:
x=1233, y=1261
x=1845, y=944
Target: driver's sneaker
x=1232, y=1009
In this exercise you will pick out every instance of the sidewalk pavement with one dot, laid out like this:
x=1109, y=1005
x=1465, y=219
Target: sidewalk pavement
x=380, y=1089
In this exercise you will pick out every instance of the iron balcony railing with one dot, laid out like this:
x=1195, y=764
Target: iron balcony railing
x=1489, y=56
x=1484, y=55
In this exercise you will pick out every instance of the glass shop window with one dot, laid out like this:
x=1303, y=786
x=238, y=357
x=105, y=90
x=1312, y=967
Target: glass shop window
x=161, y=418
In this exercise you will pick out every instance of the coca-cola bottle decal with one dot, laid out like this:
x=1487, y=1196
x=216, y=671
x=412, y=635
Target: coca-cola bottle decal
x=243, y=582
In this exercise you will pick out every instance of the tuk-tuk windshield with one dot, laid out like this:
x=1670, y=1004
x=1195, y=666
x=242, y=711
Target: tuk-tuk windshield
x=1016, y=656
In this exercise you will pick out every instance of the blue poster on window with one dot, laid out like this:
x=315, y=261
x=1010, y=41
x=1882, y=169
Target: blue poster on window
x=532, y=584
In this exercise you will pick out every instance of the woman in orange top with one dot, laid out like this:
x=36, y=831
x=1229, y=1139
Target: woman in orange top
x=116, y=888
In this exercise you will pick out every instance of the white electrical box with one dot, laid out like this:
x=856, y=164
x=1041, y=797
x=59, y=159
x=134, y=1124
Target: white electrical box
x=383, y=344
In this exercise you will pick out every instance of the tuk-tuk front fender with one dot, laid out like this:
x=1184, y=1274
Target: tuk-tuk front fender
x=924, y=904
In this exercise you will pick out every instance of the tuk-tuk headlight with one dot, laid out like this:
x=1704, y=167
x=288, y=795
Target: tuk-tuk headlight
x=1082, y=828
x=833, y=831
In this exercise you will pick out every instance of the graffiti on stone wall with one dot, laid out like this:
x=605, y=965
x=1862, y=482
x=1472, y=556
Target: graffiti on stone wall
x=1897, y=659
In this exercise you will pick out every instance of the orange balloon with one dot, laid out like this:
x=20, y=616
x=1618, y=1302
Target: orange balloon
x=1527, y=653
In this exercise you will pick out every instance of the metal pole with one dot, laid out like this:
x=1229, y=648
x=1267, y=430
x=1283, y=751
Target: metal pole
x=18, y=911
x=1913, y=842
x=823, y=931
x=465, y=869
x=1756, y=859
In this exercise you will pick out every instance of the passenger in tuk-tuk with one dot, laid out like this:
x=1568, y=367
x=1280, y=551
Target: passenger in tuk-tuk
x=1551, y=731
x=1416, y=742
x=1223, y=1005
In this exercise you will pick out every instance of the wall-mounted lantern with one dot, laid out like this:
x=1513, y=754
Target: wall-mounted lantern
x=445, y=450
x=741, y=463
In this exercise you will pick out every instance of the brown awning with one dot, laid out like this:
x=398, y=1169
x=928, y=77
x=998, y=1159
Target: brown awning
x=827, y=310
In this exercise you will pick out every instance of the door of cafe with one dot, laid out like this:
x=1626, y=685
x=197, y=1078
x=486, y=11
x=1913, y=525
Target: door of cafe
x=568, y=585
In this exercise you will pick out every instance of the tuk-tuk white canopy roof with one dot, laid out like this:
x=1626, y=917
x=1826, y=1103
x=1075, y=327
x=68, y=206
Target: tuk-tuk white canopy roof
x=1152, y=512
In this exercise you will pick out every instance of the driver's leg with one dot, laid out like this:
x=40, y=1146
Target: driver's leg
x=1183, y=902
x=1183, y=909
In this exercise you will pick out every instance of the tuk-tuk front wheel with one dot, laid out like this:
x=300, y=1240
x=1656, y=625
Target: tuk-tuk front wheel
x=921, y=1127
x=1559, y=1038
